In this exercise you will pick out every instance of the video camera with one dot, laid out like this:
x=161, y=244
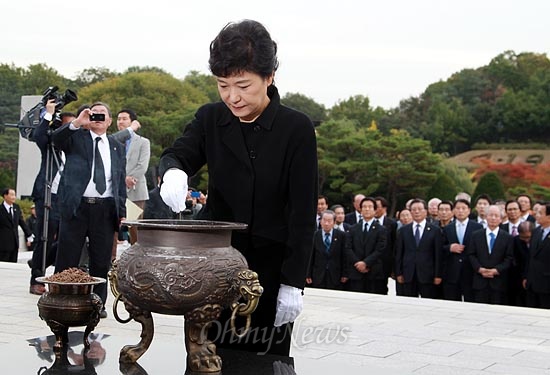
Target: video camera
x=60, y=99
x=33, y=117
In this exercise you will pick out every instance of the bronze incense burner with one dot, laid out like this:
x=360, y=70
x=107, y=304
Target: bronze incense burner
x=184, y=267
x=67, y=305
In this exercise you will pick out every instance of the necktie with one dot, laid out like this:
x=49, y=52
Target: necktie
x=99, y=170
x=327, y=241
x=365, y=227
x=484, y=223
x=417, y=234
x=514, y=231
x=376, y=222
x=127, y=145
x=11, y=213
x=491, y=242
x=460, y=232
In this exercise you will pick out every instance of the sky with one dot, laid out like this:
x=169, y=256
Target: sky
x=328, y=50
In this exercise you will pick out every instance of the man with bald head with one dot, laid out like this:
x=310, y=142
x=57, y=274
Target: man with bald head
x=354, y=217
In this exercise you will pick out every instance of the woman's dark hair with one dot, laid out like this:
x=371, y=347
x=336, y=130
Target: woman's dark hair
x=244, y=46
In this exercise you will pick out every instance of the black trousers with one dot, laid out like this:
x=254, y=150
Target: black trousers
x=51, y=245
x=538, y=300
x=492, y=296
x=95, y=221
x=416, y=288
x=327, y=282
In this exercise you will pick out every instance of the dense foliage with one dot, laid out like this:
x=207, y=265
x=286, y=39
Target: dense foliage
x=397, y=152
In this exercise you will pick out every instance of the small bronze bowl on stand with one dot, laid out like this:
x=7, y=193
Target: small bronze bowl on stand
x=67, y=305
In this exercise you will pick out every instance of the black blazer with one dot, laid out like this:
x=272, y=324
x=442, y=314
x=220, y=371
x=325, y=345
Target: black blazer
x=351, y=218
x=538, y=264
x=500, y=258
x=388, y=258
x=367, y=247
x=9, y=235
x=334, y=259
x=42, y=139
x=273, y=187
x=455, y=264
x=78, y=147
x=426, y=259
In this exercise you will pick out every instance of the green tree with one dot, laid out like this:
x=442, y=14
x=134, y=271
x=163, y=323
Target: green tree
x=443, y=188
x=205, y=83
x=357, y=109
x=491, y=185
x=302, y=103
x=355, y=159
x=92, y=75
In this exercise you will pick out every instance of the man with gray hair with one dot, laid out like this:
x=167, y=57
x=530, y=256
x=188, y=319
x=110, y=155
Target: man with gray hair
x=491, y=254
x=326, y=268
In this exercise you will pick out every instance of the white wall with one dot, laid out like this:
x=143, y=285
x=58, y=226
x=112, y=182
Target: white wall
x=28, y=162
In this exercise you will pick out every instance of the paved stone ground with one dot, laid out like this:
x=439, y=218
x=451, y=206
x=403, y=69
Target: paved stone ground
x=350, y=333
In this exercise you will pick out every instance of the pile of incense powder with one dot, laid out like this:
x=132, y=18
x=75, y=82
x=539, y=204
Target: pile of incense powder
x=71, y=275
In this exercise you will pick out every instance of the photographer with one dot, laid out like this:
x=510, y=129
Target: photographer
x=92, y=192
x=41, y=136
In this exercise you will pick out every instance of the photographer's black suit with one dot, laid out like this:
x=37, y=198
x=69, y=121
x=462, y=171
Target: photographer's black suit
x=96, y=219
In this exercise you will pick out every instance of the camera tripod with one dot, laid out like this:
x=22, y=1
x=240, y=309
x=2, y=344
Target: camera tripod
x=51, y=160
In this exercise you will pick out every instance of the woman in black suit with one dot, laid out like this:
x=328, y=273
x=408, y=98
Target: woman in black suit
x=262, y=165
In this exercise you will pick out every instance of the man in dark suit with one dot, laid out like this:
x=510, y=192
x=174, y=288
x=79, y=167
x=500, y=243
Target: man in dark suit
x=92, y=192
x=365, y=246
x=513, y=214
x=481, y=203
x=340, y=213
x=418, y=254
x=354, y=217
x=322, y=206
x=537, y=272
x=491, y=253
x=457, y=271
x=522, y=243
x=326, y=269
x=388, y=258
x=10, y=219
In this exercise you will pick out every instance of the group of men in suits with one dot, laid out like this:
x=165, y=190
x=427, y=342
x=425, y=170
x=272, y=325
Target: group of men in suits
x=462, y=257
x=353, y=256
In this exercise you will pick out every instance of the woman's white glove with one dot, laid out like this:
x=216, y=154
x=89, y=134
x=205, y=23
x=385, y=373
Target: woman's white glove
x=173, y=190
x=290, y=303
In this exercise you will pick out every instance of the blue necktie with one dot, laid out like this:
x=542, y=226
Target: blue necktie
x=327, y=241
x=491, y=242
x=460, y=232
x=417, y=234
